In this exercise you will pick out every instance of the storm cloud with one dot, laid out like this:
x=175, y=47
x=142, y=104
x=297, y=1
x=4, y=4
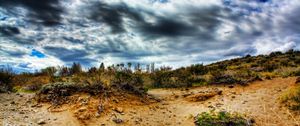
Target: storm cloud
x=170, y=32
x=46, y=12
x=9, y=30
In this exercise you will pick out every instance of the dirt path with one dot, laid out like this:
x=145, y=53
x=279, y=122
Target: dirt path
x=20, y=110
x=259, y=100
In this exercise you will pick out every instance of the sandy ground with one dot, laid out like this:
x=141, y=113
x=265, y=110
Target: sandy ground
x=259, y=101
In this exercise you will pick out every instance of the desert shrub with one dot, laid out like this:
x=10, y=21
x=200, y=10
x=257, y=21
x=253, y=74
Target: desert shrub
x=6, y=76
x=76, y=68
x=296, y=73
x=248, y=59
x=134, y=79
x=57, y=93
x=287, y=71
x=130, y=82
x=254, y=65
x=198, y=69
x=171, y=79
x=64, y=71
x=219, y=77
x=198, y=80
x=269, y=66
x=297, y=61
x=161, y=78
x=48, y=71
x=93, y=70
x=222, y=118
x=245, y=76
x=291, y=98
x=32, y=87
x=274, y=54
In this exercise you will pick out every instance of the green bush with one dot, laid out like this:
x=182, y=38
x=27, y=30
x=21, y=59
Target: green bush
x=221, y=119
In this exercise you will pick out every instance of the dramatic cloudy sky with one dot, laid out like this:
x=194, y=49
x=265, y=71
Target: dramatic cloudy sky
x=39, y=33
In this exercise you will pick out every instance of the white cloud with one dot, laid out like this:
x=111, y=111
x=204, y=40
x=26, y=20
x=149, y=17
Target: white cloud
x=268, y=45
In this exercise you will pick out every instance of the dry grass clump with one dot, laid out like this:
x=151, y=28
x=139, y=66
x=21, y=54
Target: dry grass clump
x=291, y=98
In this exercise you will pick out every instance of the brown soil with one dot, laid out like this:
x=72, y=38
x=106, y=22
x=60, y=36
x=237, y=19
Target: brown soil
x=259, y=100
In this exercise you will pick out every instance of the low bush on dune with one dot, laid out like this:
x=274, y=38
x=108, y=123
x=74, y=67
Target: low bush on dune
x=235, y=77
x=57, y=93
x=222, y=118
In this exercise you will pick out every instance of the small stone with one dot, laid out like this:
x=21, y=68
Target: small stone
x=84, y=117
x=13, y=102
x=119, y=109
x=232, y=96
x=220, y=92
x=82, y=109
x=41, y=122
x=251, y=121
x=22, y=112
x=165, y=103
x=116, y=100
x=210, y=106
x=219, y=105
x=230, y=86
x=39, y=105
x=97, y=115
x=118, y=120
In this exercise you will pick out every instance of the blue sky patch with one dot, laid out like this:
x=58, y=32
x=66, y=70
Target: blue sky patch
x=37, y=54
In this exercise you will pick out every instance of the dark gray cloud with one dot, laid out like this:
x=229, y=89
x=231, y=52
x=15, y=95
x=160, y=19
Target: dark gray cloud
x=46, y=12
x=9, y=30
x=70, y=55
x=291, y=24
x=110, y=15
x=166, y=27
x=73, y=40
x=204, y=20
